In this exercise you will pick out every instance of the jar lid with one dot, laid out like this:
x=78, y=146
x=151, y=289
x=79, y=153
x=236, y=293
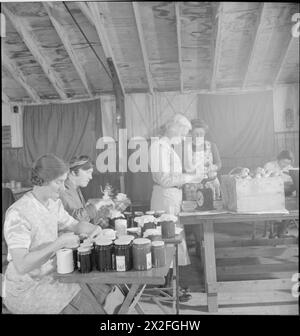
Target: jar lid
x=158, y=243
x=83, y=249
x=133, y=229
x=149, y=219
x=150, y=212
x=129, y=237
x=122, y=241
x=103, y=241
x=87, y=244
x=152, y=232
x=142, y=241
x=167, y=218
x=160, y=212
x=138, y=213
x=127, y=213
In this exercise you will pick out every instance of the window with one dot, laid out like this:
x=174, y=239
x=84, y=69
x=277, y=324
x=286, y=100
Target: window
x=6, y=137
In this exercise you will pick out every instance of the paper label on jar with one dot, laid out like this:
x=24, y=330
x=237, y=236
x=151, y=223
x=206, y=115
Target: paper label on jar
x=120, y=263
x=78, y=264
x=148, y=260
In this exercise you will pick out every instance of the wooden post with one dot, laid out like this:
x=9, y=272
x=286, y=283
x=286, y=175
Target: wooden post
x=120, y=112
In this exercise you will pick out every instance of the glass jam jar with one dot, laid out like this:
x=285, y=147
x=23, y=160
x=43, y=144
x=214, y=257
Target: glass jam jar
x=158, y=250
x=123, y=254
x=103, y=254
x=141, y=251
x=121, y=227
x=84, y=259
x=129, y=217
x=90, y=245
x=136, y=215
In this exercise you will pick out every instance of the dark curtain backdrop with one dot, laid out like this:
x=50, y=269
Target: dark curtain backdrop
x=242, y=126
x=63, y=129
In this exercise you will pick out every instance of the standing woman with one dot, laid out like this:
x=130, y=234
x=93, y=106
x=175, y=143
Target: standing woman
x=31, y=231
x=168, y=177
x=206, y=154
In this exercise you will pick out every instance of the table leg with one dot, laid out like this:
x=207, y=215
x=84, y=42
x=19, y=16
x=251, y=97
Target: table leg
x=96, y=305
x=129, y=297
x=210, y=266
x=176, y=276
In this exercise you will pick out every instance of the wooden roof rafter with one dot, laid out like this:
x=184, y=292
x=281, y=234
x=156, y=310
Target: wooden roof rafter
x=282, y=60
x=34, y=48
x=63, y=35
x=18, y=76
x=178, y=32
x=257, y=29
x=139, y=27
x=217, y=49
x=92, y=12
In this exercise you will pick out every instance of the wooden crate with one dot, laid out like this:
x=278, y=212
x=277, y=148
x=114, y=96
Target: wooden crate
x=253, y=195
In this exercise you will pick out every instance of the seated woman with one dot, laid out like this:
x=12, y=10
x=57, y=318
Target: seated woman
x=281, y=167
x=81, y=170
x=31, y=231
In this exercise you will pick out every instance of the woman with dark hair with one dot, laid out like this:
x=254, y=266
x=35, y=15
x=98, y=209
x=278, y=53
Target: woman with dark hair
x=81, y=170
x=31, y=229
x=281, y=168
x=205, y=156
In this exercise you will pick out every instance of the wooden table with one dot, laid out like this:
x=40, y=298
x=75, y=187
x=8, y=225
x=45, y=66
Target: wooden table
x=135, y=282
x=206, y=222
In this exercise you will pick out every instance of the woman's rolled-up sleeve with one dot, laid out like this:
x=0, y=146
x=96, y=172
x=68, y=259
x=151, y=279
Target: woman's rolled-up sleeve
x=17, y=230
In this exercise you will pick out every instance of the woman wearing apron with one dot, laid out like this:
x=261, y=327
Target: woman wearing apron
x=31, y=230
x=168, y=178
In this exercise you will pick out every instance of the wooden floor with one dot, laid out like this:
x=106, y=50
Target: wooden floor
x=234, y=264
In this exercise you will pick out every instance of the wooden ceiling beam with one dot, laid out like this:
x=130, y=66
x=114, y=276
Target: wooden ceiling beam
x=217, y=52
x=19, y=77
x=139, y=26
x=282, y=60
x=35, y=50
x=256, y=34
x=63, y=35
x=178, y=33
x=92, y=13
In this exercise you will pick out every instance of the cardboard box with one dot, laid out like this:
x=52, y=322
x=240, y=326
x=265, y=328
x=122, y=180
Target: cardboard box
x=253, y=195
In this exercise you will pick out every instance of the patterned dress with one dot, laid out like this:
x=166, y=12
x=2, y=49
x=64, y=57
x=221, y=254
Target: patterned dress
x=31, y=225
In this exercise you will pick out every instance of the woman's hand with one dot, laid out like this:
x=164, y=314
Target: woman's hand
x=194, y=178
x=67, y=240
x=102, y=203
